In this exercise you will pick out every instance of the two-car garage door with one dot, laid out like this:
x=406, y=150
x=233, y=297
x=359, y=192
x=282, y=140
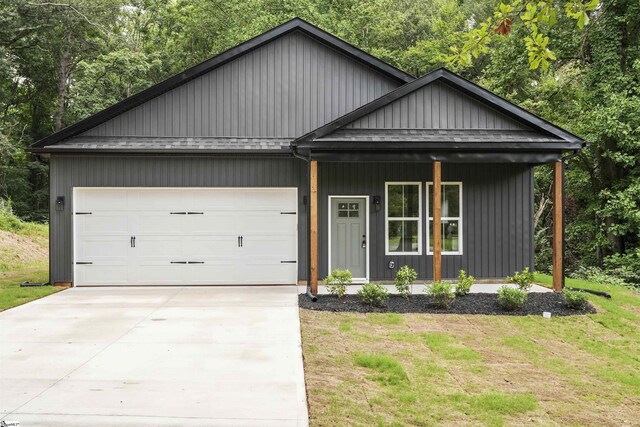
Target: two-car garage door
x=170, y=236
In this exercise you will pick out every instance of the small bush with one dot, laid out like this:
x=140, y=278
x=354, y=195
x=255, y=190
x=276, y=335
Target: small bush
x=575, y=300
x=597, y=275
x=523, y=279
x=405, y=277
x=337, y=282
x=511, y=299
x=463, y=287
x=441, y=294
x=373, y=294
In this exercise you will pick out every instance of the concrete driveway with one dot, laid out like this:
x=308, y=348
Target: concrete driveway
x=154, y=356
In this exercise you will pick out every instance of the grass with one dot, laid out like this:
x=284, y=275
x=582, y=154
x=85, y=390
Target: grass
x=23, y=257
x=12, y=295
x=426, y=369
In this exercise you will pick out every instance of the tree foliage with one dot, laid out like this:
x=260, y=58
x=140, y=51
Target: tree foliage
x=573, y=62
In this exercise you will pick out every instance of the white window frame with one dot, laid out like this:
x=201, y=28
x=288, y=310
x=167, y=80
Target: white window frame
x=386, y=217
x=450, y=218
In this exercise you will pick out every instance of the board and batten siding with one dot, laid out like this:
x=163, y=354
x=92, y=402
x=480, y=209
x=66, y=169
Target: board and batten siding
x=497, y=215
x=67, y=172
x=284, y=89
x=436, y=106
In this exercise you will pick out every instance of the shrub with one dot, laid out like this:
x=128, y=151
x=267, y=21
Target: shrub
x=523, y=279
x=597, y=275
x=337, y=282
x=575, y=300
x=405, y=277
x=441, y=294
x=373, y=294
x=463, y=287
x=511, y=299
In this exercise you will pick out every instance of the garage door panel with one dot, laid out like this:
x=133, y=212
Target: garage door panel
x=102, y=274
x=158, y=223
x=213, y=272
x=158, y=272
x=210, y=222
x=219, y=199
x=265, y=272
x=273, y=246
x=156, y=200
x=211, y=246
x=94, y=248
x=99, y=199
x=170, y=248
x=266, y=223
x=268, y=199
x=102, y=223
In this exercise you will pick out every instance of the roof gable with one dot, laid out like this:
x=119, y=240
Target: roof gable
x=293, y=54
x=439, y=100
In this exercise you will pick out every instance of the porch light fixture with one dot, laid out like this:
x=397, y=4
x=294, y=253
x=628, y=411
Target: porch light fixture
x=60, y=203
x=377, y=203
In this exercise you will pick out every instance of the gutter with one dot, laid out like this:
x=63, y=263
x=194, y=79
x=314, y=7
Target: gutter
x=294, y=152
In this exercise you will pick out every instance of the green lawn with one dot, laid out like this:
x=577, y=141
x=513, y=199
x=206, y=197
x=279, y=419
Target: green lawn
x=11, y=294
x=425, y=369
x=23, y=257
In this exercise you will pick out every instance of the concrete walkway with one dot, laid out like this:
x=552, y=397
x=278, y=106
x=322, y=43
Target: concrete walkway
x=486, y=288
x=154, y=357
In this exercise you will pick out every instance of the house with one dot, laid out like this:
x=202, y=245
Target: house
x=293, y=154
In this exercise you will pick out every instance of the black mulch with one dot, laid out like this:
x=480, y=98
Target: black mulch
x=468, y=304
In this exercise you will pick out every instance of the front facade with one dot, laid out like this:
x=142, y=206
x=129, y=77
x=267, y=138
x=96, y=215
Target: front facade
x=289, y=156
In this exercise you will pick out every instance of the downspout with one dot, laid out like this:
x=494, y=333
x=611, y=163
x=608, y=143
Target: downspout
x=294, y=151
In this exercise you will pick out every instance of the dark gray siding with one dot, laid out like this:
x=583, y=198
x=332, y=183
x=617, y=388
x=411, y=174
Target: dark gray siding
x=103, y=171
x=284, y=89
x=436, y=106
x=497, y=215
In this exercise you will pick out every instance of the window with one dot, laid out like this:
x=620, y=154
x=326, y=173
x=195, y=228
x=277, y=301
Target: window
x=403, y=218
x=451, y=218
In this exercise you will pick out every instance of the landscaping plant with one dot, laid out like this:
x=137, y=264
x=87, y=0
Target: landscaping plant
x=511, y=299
x=373, y=294
x=463, y=287
x=405, y=277
x=337, y=282
x=576, y=300
x=523, y=279
x=441, y=294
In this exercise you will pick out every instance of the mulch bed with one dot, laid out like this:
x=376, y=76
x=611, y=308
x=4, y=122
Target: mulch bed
x=469, y=304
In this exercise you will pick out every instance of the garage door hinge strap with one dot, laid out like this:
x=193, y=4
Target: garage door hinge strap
x=287, y=262
x=195, y=262
x=287, y=213
x=83, y=263
x=178, y=213
x=195, y=213
x=178, y=262
x=83, y=213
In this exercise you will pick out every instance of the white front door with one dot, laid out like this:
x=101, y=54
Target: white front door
x=169, y=236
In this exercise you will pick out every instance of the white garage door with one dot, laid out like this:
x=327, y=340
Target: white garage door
x=170, y=236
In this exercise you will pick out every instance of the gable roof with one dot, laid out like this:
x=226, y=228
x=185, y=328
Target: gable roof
x=335, y=130
x=295, y=24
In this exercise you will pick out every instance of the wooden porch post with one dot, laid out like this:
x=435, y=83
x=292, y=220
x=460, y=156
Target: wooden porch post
x=558, y=226
x=313, y=212
x=437, y=224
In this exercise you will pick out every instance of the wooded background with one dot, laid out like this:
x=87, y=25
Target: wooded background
x=575, y=63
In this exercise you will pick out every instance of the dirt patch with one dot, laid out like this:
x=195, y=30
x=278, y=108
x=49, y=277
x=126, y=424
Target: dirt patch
x=16, y=250
x=469, y=304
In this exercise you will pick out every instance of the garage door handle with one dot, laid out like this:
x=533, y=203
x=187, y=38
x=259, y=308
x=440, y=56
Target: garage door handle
x=178, y=213
x=239, y=241
x=178, y=262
